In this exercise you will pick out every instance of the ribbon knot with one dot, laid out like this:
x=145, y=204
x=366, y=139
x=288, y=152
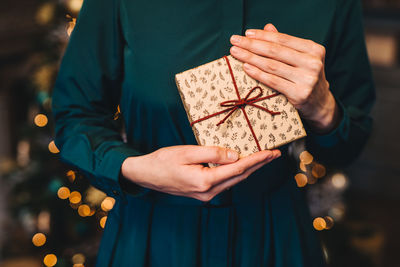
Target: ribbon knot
x=233, y=105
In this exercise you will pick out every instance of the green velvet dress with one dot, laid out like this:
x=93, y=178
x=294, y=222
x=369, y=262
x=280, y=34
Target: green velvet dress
x=127, y=52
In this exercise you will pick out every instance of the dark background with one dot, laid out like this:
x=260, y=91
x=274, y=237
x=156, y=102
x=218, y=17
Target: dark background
x=368, y=233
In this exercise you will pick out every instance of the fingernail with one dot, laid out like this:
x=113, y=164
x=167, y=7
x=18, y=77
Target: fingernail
x=250, y=33
x=234, y=50
x=233, y=155
x=235, y=39
x=246, y=66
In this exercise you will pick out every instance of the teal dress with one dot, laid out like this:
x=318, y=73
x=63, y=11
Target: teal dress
x=127, y=52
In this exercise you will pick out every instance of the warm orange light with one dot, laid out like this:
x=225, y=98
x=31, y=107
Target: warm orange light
x=39, y=239
x=92, y=211
x=117, y=113
x=71, y=175
x=301, y=179
x=41, y=120
x=50, y=260
x=306, y=157
x=75, y=5
x=107, y=204
x=75, y=197
x=63, y=192
x=329, y=222
x=319, y=223
x=318, y=170
x=84, y=210
x=52, y=148
x=103, y=221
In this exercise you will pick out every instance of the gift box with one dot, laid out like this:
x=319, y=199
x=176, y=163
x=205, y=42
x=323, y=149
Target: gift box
x=228, y=108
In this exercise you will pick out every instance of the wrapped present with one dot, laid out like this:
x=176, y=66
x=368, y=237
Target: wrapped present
x=228, y=108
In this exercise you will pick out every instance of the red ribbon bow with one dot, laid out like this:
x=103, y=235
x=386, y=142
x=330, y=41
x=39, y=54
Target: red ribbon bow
x=235, y=104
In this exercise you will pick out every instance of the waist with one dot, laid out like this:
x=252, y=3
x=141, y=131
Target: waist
x=252, y=190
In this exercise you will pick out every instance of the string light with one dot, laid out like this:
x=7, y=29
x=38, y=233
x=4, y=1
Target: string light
x=318, y=170
x=103, y=221
x=63, y=192
x=52, y=148
x=107, y=204
x=39, y=239
x=301, y=179
x=329, y=222
x=75, y=197
x=71, y=176
x=40, y=120
x=319, y=224
x=84, y=210
x=306, y=157
x=50, y=260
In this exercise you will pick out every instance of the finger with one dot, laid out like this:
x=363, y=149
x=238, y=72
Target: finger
x=275, y=82
x=223, y=172
x=272, y=50
x=266, y=64
x=208, y=154
x=270, y=27
x=296, y=43
x=215, y=190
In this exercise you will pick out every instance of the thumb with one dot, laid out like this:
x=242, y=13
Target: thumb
x=210, y=154
x=270, y=27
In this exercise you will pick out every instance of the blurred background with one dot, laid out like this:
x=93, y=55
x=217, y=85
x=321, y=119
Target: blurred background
x=51, y=216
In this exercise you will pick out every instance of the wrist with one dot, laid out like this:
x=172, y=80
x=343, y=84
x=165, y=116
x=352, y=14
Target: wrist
x=328, y=117
x=127, y=168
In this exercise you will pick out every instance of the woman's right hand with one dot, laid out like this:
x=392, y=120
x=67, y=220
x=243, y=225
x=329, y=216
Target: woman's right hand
x=178, y=170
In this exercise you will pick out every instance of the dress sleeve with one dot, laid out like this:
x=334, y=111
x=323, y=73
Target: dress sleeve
x=86, y=93
x=349, y=73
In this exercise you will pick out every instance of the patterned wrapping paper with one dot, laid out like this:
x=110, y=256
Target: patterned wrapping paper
x=203, y=88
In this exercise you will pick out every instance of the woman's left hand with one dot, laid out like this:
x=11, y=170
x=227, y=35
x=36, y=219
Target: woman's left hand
x=293, y=67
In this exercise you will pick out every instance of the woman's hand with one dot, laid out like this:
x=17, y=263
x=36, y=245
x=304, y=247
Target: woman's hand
x=292, y=66
x=177, y=170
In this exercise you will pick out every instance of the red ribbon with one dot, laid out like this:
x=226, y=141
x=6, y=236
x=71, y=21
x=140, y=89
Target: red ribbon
x=235, y=104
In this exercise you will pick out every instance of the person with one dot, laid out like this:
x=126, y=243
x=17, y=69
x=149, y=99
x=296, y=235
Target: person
x=172, y=210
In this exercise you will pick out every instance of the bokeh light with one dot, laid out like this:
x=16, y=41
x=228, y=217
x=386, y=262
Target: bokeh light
x=107, y=204
x=319, y=224
x=63, y=192
x=84, y=210
x=329, y=222
x=50, y=260
x=301, y=179
x=103, y=221
x=71, y=176
x=306, y=157
x=339, y=180
x=41, y=120
x=39, y=239
x=318, y=170
x=75, y=5
x=52, y=148
x=75, y=197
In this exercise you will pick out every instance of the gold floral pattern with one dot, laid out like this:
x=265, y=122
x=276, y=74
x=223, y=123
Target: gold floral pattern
x=213, y=85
